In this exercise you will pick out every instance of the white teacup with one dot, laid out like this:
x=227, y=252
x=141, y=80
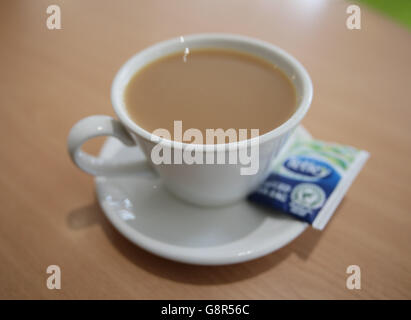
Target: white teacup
x=201, y=184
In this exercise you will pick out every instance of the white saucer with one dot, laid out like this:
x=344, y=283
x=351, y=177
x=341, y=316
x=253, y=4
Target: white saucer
x=144, y=212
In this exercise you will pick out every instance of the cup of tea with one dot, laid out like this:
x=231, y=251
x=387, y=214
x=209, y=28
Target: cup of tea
x=209, y=111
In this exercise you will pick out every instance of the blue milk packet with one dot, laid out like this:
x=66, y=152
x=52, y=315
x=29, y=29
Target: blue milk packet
x=309, y=178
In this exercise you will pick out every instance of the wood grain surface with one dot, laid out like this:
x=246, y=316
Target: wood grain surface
x=50, y=79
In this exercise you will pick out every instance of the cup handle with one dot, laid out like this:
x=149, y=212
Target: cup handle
x=96, y=126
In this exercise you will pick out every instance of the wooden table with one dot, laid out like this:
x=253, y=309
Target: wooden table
x=49, y=215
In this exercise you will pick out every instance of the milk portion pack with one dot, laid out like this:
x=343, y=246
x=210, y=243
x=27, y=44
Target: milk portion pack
x=309, y=178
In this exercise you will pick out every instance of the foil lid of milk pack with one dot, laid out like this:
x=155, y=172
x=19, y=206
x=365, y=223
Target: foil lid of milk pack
x=309, y=178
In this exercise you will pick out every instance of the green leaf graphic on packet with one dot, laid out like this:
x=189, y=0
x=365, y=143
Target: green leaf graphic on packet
x=309, y=178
